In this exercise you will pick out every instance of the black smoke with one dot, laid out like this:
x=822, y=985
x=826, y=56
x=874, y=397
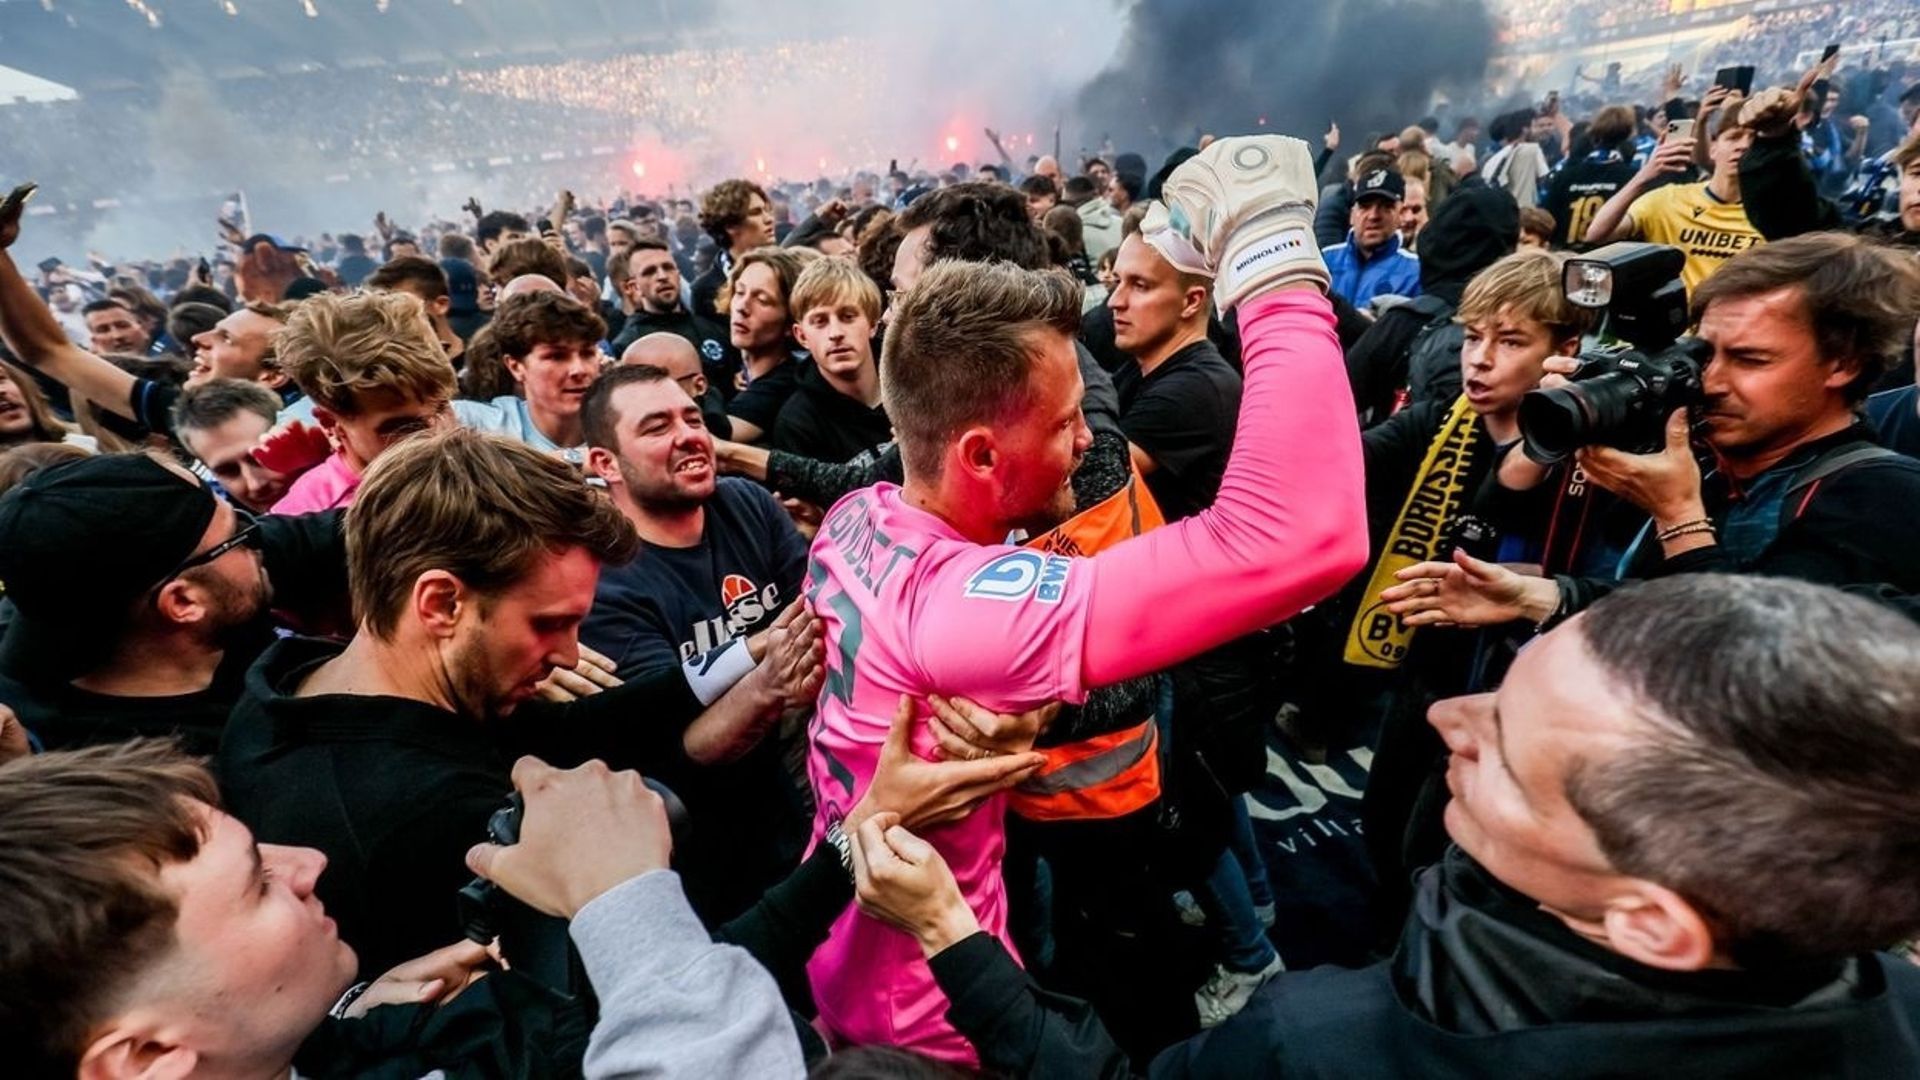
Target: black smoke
x=1187, y=67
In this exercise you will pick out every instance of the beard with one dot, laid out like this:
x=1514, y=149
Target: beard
x=236, y=608
x=1058, y=508
x=474, y=685
x=664, y=495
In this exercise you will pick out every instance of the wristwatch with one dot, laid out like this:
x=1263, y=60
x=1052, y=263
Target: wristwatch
x=838, y=838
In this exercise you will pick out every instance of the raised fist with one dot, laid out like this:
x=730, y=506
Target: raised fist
x=1241, y=212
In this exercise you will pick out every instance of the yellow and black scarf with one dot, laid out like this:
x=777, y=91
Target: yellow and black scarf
x=1377, y=637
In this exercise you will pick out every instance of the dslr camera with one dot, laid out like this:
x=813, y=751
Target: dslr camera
x=1626, y=387
x=534, y=943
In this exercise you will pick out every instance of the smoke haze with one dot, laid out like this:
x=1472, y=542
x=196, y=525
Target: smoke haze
x=879, y=81
x=1288, y=66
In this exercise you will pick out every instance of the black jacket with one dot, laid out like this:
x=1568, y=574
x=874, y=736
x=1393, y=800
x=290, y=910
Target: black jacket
x=706, y=288
x=395, y=791
x=1483, y=984
x=306, y=560
x=1782, y=199
x=1100, y=474
x=706, y=333
x=820, y=422
x=1470, y=231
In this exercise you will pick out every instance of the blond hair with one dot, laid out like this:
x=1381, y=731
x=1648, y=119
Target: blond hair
x=1526, y=285
x=480, y=507
x=832, y=283
x=337, y=349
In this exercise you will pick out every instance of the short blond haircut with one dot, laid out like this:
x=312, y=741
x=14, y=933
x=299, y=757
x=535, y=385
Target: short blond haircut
x=1525, y=284
x=832, y=283
x=338, y=348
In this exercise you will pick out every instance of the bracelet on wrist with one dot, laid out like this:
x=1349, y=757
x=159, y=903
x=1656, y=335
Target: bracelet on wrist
x=1686, y=528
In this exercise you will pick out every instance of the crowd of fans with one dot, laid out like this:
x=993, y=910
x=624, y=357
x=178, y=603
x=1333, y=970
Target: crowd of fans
x=855, y=628
x=682, y=92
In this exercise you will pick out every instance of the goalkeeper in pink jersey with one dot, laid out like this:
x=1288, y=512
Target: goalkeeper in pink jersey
x=920, y=592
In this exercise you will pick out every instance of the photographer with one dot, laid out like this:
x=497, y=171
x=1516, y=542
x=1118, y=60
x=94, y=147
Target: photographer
x=1796, y=485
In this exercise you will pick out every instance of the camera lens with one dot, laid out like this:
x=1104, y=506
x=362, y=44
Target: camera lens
x=1559, y=421
x=1554, y=423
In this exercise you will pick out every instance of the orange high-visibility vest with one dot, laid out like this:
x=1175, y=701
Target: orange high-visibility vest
x=1119, y=772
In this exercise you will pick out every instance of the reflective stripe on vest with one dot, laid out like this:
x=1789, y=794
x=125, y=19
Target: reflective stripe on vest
x=1102, y=777
x=1119, y=772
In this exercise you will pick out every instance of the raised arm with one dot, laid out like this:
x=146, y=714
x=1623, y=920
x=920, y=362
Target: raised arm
x=1289, y=525
x=1287, y=529
x=35, y=336
x=1611, y=222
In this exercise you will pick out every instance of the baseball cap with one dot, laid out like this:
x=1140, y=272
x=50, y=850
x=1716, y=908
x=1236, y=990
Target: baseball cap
x=1381, y=184
x=80, y=541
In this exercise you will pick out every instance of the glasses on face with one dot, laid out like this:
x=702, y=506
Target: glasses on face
x=246, y=535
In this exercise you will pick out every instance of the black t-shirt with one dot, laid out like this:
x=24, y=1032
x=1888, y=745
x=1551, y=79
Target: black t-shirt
x=822, y=423
x=1183, y=415
x=760, y=403
x=1579, y=191
x=64, y=717
x=670, y=605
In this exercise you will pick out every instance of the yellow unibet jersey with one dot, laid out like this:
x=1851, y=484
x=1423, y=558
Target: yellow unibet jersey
x=1688, y=217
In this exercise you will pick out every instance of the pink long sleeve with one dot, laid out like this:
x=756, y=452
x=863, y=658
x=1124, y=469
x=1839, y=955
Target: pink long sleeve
x=1288, y=528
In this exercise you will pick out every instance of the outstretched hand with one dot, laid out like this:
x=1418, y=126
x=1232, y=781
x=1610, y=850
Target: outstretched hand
x=796, y=654
x=901, y=880
x=1467, y=592
x=591, y=675
x=435, y=979
x=969, y=732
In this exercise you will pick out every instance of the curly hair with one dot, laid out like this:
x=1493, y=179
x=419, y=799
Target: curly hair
x=979, y=221
x=725, y=207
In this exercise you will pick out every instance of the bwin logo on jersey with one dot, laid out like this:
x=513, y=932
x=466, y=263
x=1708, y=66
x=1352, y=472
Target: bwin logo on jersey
x=1019, y=575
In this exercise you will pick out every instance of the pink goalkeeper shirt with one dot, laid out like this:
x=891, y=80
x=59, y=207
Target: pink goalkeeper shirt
x=911, y=607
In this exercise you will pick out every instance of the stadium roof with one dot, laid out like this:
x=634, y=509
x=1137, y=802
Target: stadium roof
x=119, y=44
